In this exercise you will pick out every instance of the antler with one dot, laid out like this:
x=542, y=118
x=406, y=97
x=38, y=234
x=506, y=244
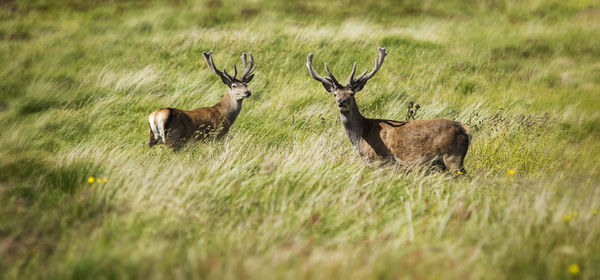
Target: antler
x=247, y=72
x=355, y=83
x=331, y=81
x=211, y=65
x=362, y=79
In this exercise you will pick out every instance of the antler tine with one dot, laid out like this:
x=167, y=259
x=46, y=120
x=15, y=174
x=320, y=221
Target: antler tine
x=352, y=73
x=247, y=70
x=314, y=73
x=335, y=82
x=244, y=60
x=234, y=70
x=225, y=72
x=252, y=66
x=378, y=63
x=361, y=75
x=210, y=62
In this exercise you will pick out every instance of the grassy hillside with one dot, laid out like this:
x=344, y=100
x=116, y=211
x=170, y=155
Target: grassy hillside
x=285, y=195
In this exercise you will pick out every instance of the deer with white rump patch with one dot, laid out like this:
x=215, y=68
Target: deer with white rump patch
x=439, y=142
x=173, y=126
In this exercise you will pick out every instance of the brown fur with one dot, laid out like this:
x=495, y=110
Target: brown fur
x=200, y=124
x=437, y=141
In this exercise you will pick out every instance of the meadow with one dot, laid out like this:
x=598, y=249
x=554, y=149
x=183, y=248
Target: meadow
x=284, y=195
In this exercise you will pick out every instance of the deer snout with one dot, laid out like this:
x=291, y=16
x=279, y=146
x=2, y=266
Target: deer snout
x=341, y=103
x=248, y=93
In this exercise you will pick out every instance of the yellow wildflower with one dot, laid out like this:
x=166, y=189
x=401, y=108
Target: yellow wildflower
x=98, y=180
x=594, y=212
x=90, y=179
x=511, y=172
x=574, y=269
x=567, y=218
x=105, y=180
x=458, y=172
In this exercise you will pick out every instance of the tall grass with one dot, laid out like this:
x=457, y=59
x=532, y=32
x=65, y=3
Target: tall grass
x=285, y=195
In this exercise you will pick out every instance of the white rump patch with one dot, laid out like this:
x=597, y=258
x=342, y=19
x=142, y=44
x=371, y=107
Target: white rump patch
x=161, y=118
x=152, y=122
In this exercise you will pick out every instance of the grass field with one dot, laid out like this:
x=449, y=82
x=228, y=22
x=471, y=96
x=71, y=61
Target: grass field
x=285, y=195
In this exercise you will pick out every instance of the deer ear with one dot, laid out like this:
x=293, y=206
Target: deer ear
x=358, y=86
x=328, y=87
x=225, y=80
x=248, y=79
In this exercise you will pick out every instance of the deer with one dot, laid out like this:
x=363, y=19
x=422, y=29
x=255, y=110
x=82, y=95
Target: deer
x=437, y=142
x=174, y=127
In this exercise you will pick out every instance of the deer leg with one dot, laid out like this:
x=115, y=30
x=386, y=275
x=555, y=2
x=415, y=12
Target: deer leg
x=174, y=138
x=454, y=163
x=152, y=140
x=439, y=163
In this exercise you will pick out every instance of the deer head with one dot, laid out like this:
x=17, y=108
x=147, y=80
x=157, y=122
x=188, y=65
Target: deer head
x=344, y=95
x=237, y=88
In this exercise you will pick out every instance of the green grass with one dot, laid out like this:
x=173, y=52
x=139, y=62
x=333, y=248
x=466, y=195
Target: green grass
x=285, y=195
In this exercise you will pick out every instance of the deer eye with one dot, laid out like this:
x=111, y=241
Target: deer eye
x=234, y=86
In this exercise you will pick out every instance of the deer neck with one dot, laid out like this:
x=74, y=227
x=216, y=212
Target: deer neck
x=353, y=123
x=229, y=108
